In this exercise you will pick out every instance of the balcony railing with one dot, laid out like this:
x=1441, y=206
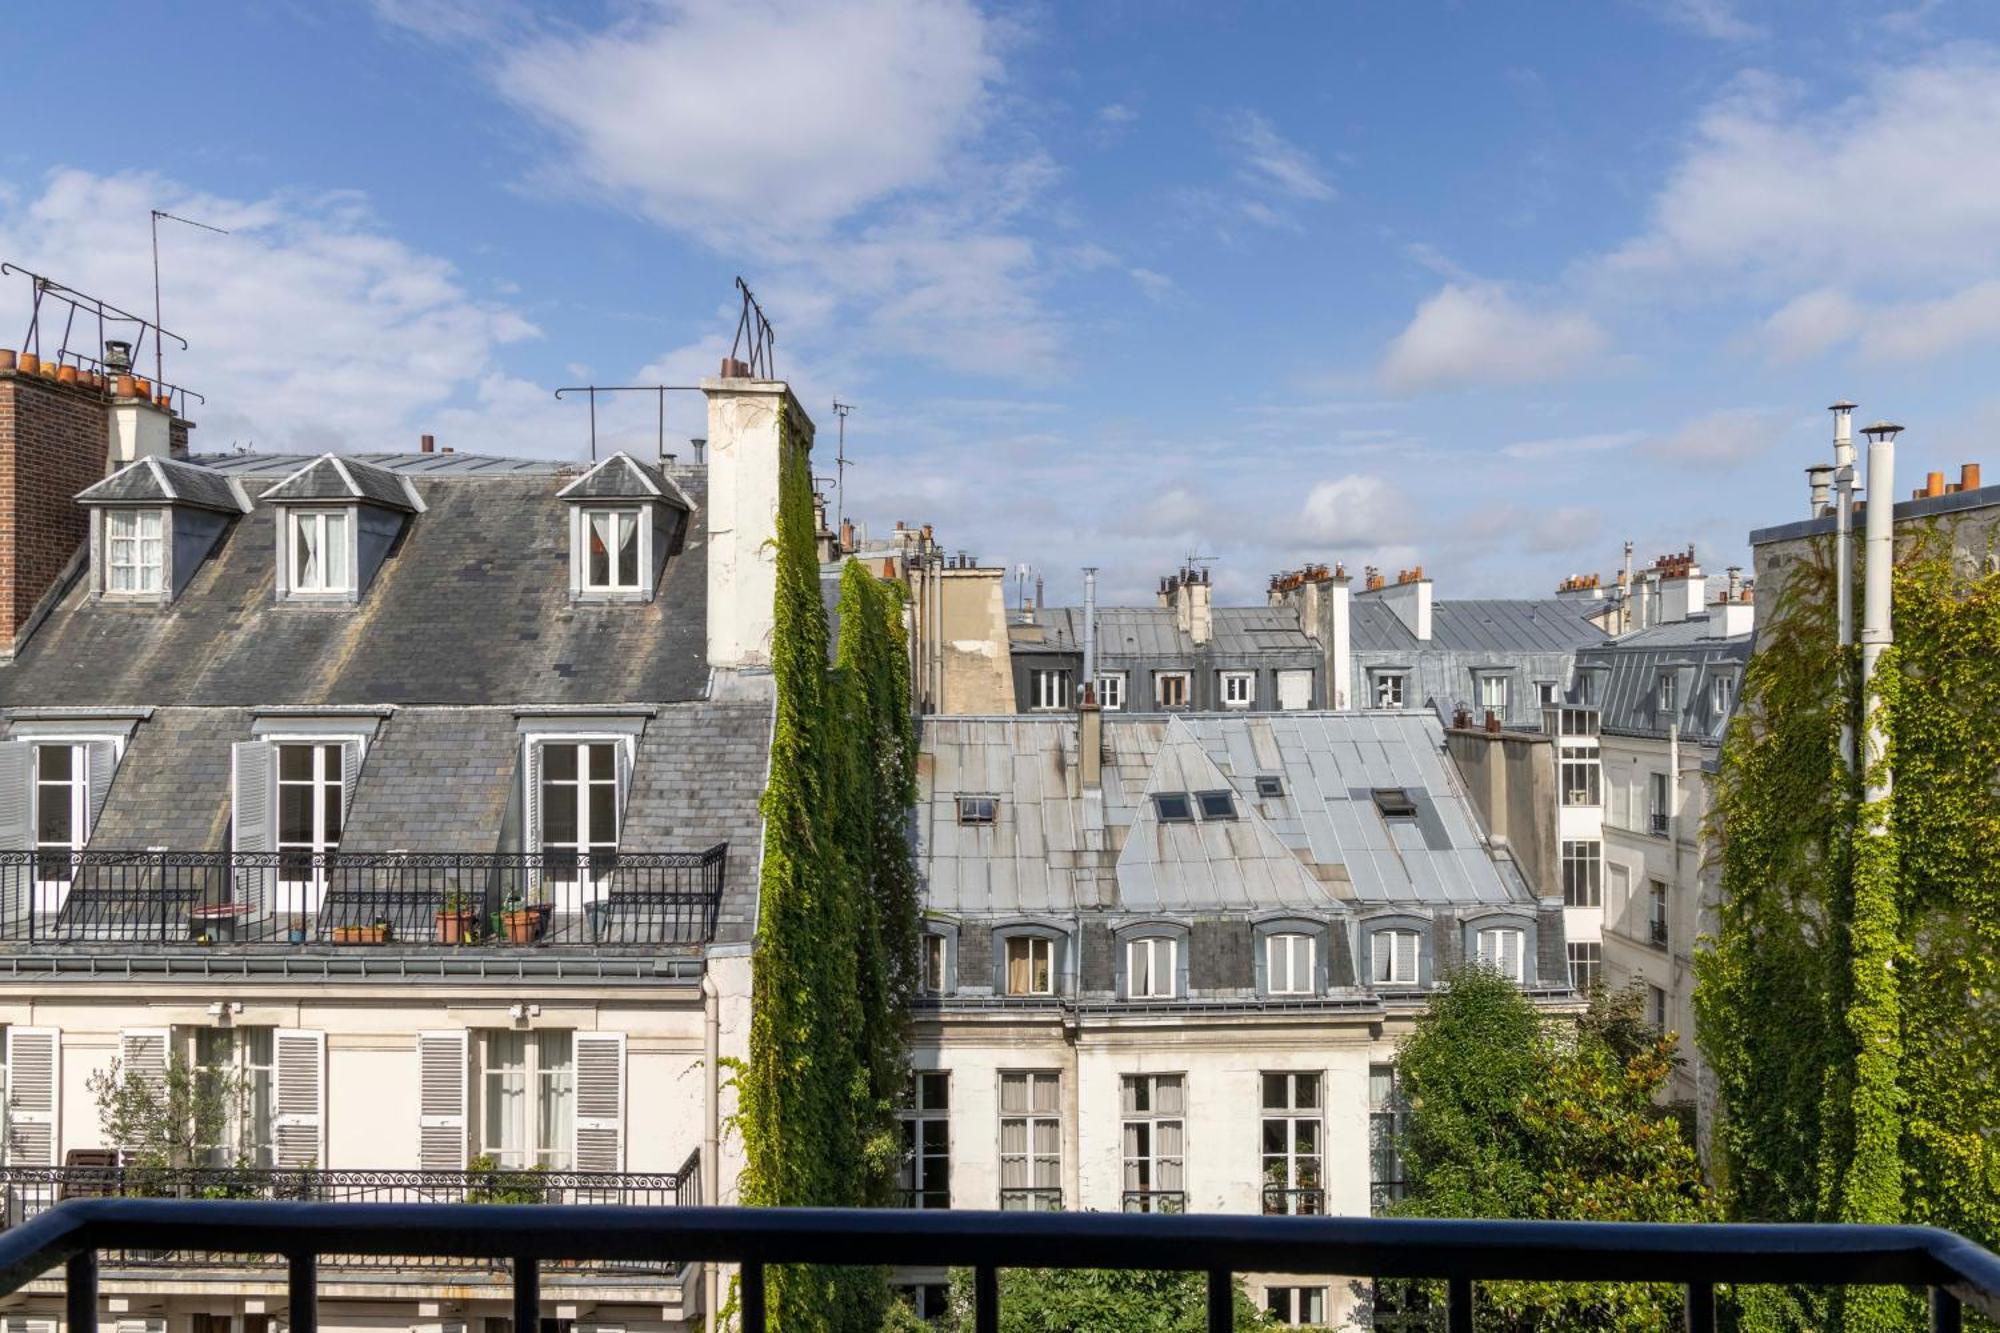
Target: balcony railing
x=1656, y=823
x=1036, y=1199
x=1155, y=1201
x=1697, y=1257
x=1657, y=932
x=1308, y=1202
x=30, y=1191
x=360, y=898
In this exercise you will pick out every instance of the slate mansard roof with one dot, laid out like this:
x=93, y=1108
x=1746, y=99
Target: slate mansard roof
x=1624, y=677
x=1151, y=634
x=154, y=480
x=1478, y=625
x=471, y=606
x=1321, y=846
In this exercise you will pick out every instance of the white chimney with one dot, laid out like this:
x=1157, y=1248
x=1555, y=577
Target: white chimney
x=1200, y=608
x=138, y=429
x=1339, y=663
x=1411, y=601
x=1726, y=620
x=742, y=514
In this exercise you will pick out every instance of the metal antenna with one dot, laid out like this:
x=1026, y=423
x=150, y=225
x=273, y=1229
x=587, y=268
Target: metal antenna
x=159, y=352
x=840, y=466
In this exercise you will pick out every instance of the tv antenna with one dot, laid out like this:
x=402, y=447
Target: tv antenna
x=841, y=463
x=159, y=358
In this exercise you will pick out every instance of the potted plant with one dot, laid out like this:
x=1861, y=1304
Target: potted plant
x=375, y=932
x=523, y=922
x=296, y=933
x=457, y=919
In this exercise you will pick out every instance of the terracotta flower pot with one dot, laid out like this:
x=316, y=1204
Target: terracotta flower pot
x=6, y=358
x=525, y=925
x=456, y=927
x=30, y=363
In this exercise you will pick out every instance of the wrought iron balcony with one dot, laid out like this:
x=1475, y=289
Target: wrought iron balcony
x=496, y=899
x=1038, y=1199
x=1658, y=933
x=1656, y=823
x=1155, y=1201
x=1308, y=1202
x=1697, y=1257
x=30, y=1191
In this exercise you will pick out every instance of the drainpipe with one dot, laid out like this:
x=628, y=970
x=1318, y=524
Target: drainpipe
x=1843, y=550
x=711, y=1134
x=1877, y=632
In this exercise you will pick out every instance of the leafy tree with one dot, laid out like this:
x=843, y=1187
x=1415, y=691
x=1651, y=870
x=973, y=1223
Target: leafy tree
x=174, y=1119
x=1088, y=1300
x=1511, y=1115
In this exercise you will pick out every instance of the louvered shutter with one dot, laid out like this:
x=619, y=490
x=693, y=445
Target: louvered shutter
x=531, y=816
x=350, y=776
x=600, y=1101
x=33, y=1095
x=298, y=1125
x=21, y=1323
x=1510, y=954
x=251, y=768
x=100, y=763
x=17, y=830
x=1406, y=954
x=143, y=1054
x=152, y=1324
x=624, y=793
x=441, y=1101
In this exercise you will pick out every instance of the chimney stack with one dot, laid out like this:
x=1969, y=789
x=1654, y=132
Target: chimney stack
x=427, y=444
x=1968, y=477
x=54, y=439
x=1089, y=738
x=743, y=456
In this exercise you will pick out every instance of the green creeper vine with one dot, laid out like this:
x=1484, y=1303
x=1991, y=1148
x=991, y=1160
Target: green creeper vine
x=835, y=957
x=1849, y=1005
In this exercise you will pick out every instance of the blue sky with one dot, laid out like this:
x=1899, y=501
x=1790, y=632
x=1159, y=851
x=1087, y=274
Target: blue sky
x=1487, y=287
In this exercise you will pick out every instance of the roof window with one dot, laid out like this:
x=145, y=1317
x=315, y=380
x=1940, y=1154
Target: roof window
x=1173, y=807
x=1394, y=803
x=1270, y=788
x=1217, y=804
x=977, y=809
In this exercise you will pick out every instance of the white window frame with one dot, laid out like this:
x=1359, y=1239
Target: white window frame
x=1666, y=693
x=1150, y=1169
x=1492, y=684
x=919, y=1112
x=1185, y=681
x=572, y=893
x=587, y=517
x=937, y=964
x=1303, y=1121
x=1387, y=956
x=1722, y=692
x=134, y=544
x=1296, y=1306
x=1659, y=913
x=1048, y=689
x=1152, y=967
x=1490, y=950
x=322, y=520
x=1386, y=1114
x=1582, y=777
x=252, y=1130
x=1239, y=689
x=1389, y=689
x=304, y=895
x=530, y=1154
x=1582, y=859
x=1548, y=693
x=1296, y=979
x=1111, y=691
x=1586, y=963
x=1023, y=1110
x=1031, y=946
x=53, y=880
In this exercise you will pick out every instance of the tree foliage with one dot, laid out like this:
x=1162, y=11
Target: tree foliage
x=1088, y=1300
x=1513, y=1115
x=172, y=1119
x=835, y=962
x=1848, y=1004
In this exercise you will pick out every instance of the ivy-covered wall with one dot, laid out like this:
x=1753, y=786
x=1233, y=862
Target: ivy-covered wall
x=1849, y=1006
x=835, y=961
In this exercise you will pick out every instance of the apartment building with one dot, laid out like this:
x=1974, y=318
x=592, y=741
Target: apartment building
x=419, y=792
x=1168, y=960
x=1184, y=654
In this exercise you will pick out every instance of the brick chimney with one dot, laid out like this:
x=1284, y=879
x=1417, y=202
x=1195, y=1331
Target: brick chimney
x=743, y=443
x=53, y=437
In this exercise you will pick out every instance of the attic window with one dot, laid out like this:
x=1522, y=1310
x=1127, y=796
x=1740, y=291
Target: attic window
x=977, y=809
x=1217, y=804
x=321, y=540
x=136, y=554
x=1394, y=803
x=611, y=550
x=1668, y=699
x=1173, y=807
x=1269, y=789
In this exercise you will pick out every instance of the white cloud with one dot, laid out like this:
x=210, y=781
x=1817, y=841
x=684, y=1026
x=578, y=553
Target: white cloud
x=312, y=328
x=1810, y=323
x=1267, y=160
x=1717, y=19
x=1724, y=438
x=1355, y=510
x=1919, y=330
x=1570, y=444
x=1482, y=334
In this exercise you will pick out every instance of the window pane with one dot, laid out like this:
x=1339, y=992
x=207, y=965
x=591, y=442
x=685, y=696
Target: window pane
x=336, y=551
x=1045, y=1092
x=598, y=572
x=305, y=561
x=559, y=813
x=295, y=763
x=603, y=812
x=1013, y=1092
x=295, y=821
x=628, y=550
x=559, y=762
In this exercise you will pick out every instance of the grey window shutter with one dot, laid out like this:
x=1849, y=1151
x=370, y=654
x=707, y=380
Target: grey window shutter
x=299, y=1123
x=531, y=816
x=143, y=1053
x=101, y=762
x=624, y=793
x=17, y=830
x=599, y=1123
x=251, y=816
x=442, y=1088
x=350, y=777
x=34, y=1092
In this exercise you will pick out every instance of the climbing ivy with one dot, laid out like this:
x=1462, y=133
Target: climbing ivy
x=835, y=962
x=1849, y=1005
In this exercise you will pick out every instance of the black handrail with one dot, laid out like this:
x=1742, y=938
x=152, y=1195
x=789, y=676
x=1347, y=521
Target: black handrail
x=1696, y=1256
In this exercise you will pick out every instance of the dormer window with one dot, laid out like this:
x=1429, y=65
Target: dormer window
x=321, y=548
x=611, y=555
x=135, y=551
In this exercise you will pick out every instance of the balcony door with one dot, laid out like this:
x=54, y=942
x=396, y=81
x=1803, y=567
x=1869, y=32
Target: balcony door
x=311, y=802
x=578, y=794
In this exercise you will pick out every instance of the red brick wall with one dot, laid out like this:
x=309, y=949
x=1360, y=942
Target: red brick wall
x=52, y=445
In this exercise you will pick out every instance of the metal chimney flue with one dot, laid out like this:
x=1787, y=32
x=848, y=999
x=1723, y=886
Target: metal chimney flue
x=1090, y=626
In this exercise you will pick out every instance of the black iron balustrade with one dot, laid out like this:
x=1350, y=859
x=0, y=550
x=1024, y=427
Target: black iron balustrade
x=1656, y=823
x=1155, y=1201
x=30, y=1191
x=1658, y=933
x=1305, y=1202
x=1032, y=1199
x=1697, y=1257
x=360, y=898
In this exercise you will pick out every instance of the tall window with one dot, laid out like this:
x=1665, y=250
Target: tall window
x=1656, y=803
x=62, y=809
x=611, y=550
x=530, y=1094
x=1291, y=1143
x=1493, y=694
x=1296, y=1305
x=1239, y=689
x=1031, y=1142
x=1656, y=1007
x=1656, y=912
x=1545, y=692
x=1150, y=967
x=319, y=551
x=1582, y=776
x=1111, y=691
x=310, y=804
x=1583, y=882
x=243, y=1054
x=1586, y=965
x=1666, y=695
x=1030, y=965
x=579, y=805
x=1499, y=947
x=1289, y=964
x=1153, y=1107
x=1720, y=693
x=135, y=550
x=1170, y=689
x=1051, y=689
x=1394, y=961
x=1388, y=691
x=927, y=1141
x=937, y=955
x=1385, y=1137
